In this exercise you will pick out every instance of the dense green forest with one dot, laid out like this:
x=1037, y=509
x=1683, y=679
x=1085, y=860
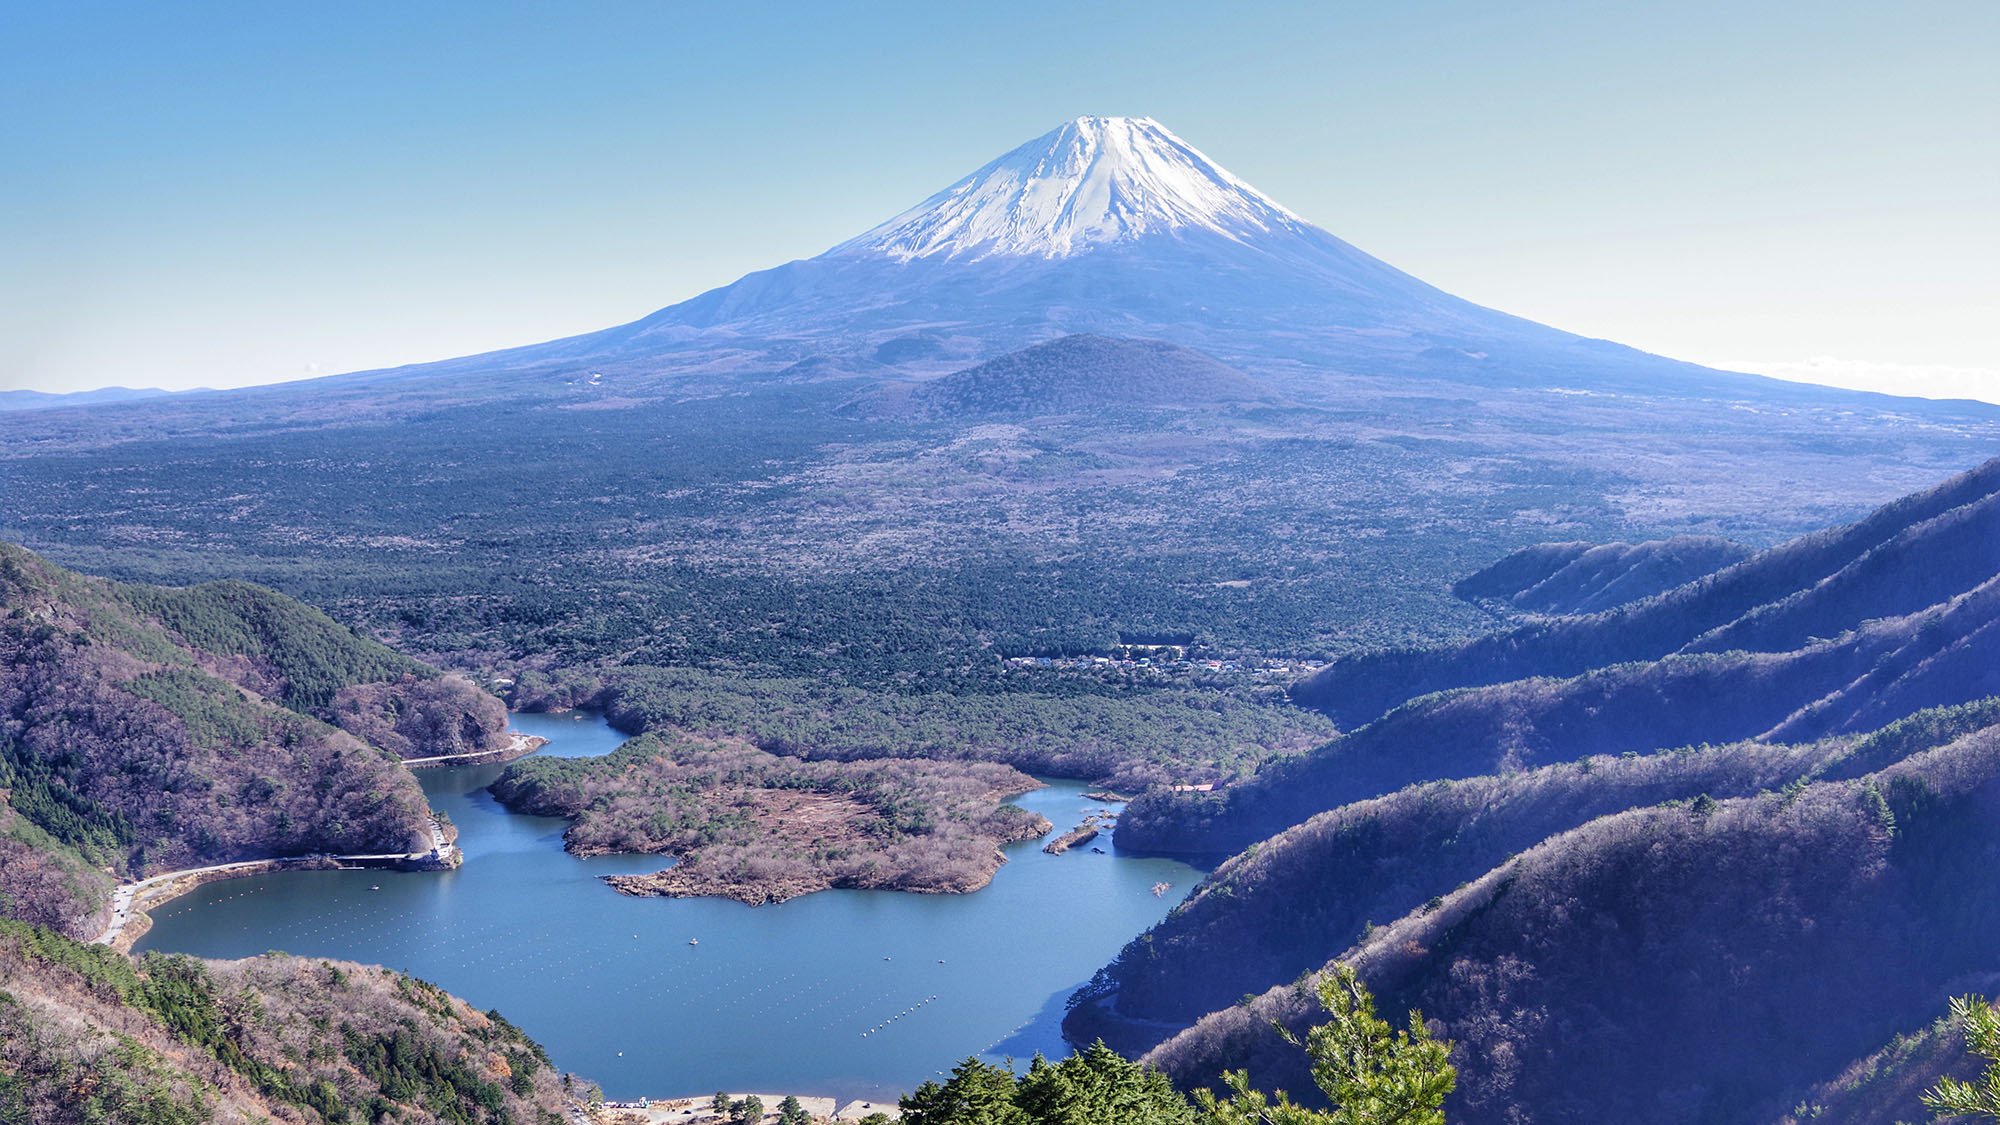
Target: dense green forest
x=759, y=523
x=1126, y=734
x=89, y=1036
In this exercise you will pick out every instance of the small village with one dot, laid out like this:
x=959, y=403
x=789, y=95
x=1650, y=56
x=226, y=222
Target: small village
x=1172, y=660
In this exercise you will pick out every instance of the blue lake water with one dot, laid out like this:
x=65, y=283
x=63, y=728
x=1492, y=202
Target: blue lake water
x=842, y=993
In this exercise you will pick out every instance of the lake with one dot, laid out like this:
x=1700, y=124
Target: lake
x=851, y=994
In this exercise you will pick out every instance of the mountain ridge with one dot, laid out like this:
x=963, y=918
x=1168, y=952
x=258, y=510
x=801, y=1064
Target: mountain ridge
x=1754, y=603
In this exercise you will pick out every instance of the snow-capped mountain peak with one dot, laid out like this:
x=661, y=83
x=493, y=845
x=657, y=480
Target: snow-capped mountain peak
x=1093, y=181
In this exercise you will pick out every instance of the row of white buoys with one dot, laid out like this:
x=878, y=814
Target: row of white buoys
x=899, y=1015
x=995, y=1045
x=831, y=998
x=206, y=903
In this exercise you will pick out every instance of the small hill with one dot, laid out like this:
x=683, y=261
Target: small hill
x=1573, y=578
x=1914, y=553
x=90, y=1035
x=1087, y=374
x=1681, y=954
x=145, y=729
x=44, y=400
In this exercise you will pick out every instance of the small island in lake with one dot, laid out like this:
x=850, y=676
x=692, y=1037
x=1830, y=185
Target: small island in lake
x=759, y=827
x=1082, y=834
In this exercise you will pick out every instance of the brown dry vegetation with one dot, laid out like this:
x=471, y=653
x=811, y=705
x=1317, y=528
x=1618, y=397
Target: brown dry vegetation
x=88, y=1035
x=1697, y=960
x=1289, y=904
x=1706, y=934
x=1887, y=1086
x=760, y=827
x=1840, y=631
x=145, y=729
x=1915, y=553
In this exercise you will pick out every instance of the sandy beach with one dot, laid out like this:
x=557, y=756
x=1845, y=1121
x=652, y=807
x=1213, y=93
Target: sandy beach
x=695, y=1110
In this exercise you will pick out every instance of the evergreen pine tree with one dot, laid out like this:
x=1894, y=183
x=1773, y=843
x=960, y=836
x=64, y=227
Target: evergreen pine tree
x=1370, y=1073
x=1981, y=1098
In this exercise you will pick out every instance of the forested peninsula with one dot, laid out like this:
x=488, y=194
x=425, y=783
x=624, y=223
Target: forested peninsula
x=759, y=827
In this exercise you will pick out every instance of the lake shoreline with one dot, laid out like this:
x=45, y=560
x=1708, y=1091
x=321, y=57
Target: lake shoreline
x=617, y=989
x=518, y=746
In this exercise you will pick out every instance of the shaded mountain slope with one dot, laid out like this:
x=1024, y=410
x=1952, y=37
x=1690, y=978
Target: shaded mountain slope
x=1887, y=1086
x=1679, y=955
x=1910, y=554
x=1878, y=673
x=1573, y=578
x=88, y=1035
x=1292, y=902
x=142, y=729
x=1089, y=374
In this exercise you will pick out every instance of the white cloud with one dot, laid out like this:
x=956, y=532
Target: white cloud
x=1917, y=379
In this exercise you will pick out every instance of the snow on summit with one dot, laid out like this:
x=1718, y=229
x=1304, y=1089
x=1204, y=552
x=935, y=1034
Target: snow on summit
x=1095, y=180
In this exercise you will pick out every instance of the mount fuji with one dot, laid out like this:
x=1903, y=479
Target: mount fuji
x=1106, y=225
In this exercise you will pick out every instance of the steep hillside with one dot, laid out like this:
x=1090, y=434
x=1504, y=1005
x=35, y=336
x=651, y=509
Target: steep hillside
x=1572, y=578
x=1289, y=904
x=295, y=655
x=89, y=1036
x=146, y=729
x=46, y=883
x=1911, y=554
x=1679, y=955
x=1876, y=674
x=1841, y=631
x=1090, y=374
x=1887, y=1086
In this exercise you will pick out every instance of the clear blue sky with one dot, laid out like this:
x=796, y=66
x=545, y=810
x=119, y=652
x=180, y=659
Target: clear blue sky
x=228, y=193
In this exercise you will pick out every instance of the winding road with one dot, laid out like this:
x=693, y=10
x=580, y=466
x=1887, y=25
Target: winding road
x=519, y=746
